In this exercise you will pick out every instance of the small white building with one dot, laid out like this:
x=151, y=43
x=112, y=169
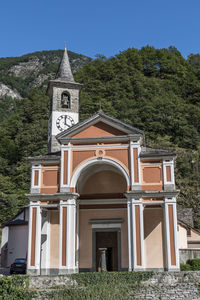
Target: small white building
x=14, y=243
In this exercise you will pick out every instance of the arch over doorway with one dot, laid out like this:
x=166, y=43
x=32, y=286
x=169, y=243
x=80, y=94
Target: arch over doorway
x=105, y=163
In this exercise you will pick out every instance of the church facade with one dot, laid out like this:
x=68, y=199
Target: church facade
x=99, y=190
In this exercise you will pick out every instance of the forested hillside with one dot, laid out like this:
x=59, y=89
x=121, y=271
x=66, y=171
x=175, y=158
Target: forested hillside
x=157, y=91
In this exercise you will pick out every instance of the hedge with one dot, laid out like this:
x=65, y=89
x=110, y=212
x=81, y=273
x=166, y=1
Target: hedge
x=192, y=264
x=14, y=287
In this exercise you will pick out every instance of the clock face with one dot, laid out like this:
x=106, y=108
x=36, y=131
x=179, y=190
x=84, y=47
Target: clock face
x=64, y=122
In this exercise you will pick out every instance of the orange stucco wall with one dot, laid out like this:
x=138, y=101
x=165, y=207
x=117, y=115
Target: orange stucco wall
x=153, y=237
x=50, y=180
x=100, y=129
x=54, y=239
x=80, y=156
x=85, y=253
x=152, y=177
x=121, y=155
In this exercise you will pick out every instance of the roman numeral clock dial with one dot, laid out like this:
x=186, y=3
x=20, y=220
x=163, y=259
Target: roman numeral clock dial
x=64, y=122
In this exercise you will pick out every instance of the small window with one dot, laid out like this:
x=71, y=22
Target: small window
x=65, y=100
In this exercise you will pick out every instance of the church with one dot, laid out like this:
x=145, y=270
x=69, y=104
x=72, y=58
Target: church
x=100, y=192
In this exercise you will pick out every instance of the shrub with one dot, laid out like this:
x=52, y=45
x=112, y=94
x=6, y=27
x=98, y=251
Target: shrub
x=185, y=267
x=194, y=263
x=14, y=287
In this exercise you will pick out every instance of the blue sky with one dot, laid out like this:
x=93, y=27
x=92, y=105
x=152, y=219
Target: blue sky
x=104, y=27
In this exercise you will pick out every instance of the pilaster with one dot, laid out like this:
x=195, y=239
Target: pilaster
x=135, y=234
x=34, y=240
x=35, y=178
x=168, y=174
x=67, y=244
x=171, y=240
x=135, y=150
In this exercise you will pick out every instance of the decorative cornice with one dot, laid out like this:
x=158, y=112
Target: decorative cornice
x=141, y=193
x=119, y=138
x=56, y=196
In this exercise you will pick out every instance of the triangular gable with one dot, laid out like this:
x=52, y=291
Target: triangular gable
x=99, y=125
x=100, y=129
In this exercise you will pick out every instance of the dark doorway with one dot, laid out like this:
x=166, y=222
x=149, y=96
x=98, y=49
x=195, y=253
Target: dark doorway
x=107, y=240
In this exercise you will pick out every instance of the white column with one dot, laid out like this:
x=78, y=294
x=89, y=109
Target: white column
x=138, y=240
x=171, y=236
x=129, y=216
x=63, y=204
x=29, y=238
x=45, y=239
x=34, y=269
x=69, y=207
x=38, y=239
x=77, y=235
x=135, y=234
x=71, y=234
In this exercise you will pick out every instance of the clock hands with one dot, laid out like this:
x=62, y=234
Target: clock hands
x=65, y=122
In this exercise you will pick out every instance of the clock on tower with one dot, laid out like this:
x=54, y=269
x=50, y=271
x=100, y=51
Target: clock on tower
x=64, y=103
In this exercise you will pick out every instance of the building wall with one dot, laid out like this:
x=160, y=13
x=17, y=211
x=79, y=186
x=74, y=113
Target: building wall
x=152, y=175
x=50, y=179
x=54, y=239
x=85, y=254
x=4, y=246
x=17, y=243
x=182, y=237
x=153, y=238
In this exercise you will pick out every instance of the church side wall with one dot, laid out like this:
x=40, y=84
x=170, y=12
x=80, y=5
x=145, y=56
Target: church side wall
x=182, y=237
x=54, y=240
x=153, y=235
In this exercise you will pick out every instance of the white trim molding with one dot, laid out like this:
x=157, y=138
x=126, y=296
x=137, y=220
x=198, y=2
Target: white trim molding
x=132, y=240
x=35, y=188
x=168, y=262
x=168, y=185
x=99, y=160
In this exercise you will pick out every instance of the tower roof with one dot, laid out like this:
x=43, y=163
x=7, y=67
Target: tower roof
x=64, y=72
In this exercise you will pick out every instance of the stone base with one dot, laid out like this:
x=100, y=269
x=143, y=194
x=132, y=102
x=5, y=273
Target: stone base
x=47, y=272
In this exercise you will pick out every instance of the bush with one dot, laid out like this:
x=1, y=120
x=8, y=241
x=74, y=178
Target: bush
x=14, y=287
x=194, y=263
x=185, y=267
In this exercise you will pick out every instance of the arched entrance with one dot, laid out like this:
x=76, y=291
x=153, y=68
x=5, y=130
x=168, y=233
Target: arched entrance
x=102, y=216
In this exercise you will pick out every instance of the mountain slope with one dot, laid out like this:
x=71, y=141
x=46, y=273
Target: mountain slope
x=34, y=70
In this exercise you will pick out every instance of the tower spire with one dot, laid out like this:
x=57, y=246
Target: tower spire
x=65, y=72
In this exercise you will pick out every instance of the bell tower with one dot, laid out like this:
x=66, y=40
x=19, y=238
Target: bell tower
x=64, y=103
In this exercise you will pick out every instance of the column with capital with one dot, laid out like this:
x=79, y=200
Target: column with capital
x=171, y=236
x=67, y=232
x=135, y=233
x=34, y=239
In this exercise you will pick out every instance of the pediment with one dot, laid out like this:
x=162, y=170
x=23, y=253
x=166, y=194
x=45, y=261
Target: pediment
x=99, y=125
